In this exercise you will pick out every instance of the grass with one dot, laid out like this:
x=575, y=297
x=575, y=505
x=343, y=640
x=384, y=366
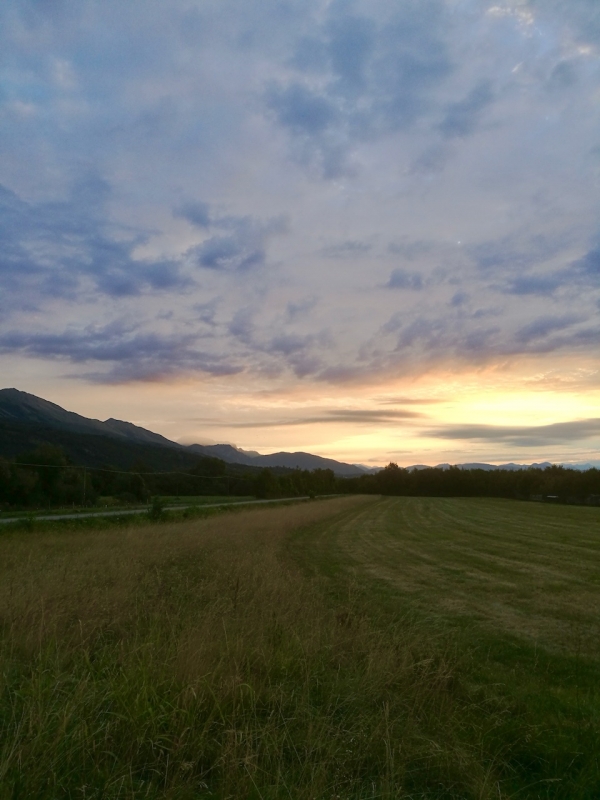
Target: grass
x=348, y=648
x=517, y=587
x=201, y=500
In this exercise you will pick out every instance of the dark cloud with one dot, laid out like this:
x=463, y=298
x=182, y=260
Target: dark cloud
x=543, y=326
x=522, y=436
x=198, y=213
x=518, y=252
x=410, y=401
x=301, y=110
x=301, y=353
x=358, y=417
x=459, y=299
x=373, y=79
x=432, y=160
x=582, y=273
x=531, y=265
x=588, y=268
x=171, y=104
x=563, y=76
x=535, y=284
x=410, y=249
x=400, y=279
x=132, y=354
x=347, y=249
x=240, y=243
x=290, y=344
x=242, y=325
x=52, y=248
x=229, y=252
x=300, y=307
x=462, y=118
x=351, y=43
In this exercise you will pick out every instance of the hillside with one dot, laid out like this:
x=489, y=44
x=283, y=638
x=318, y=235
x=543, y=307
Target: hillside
x=26, y=421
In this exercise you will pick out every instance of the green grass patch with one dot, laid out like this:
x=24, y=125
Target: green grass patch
x=514, y=586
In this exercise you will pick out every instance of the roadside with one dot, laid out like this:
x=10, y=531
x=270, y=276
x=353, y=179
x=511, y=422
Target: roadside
x=146, y=509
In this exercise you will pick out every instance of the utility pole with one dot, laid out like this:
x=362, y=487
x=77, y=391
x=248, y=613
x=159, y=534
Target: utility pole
x=84, y=476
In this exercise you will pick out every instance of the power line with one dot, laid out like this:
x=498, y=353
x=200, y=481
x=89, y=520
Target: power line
x=119, y=471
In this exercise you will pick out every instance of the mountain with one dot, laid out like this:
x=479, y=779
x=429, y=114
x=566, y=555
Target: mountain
x=511, y=466
x=27, y=420
x=300, y=460
x=306, y=461
x=21, y=407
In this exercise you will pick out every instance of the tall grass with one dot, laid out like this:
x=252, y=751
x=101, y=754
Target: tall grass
x=194, y=660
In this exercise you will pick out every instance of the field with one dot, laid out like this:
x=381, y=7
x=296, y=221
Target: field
x=346, y=648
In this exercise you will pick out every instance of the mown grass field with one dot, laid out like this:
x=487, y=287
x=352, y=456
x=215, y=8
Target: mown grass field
x=345, y=648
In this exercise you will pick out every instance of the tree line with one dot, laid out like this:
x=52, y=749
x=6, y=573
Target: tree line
x=551, y=484
x=46, y=478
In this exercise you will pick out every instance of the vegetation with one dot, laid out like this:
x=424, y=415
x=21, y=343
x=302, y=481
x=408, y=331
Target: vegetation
x=347, y=648
x=554, y=483
x=45, y=478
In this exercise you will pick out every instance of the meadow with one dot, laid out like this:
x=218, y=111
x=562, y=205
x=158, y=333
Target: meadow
x=353, y=647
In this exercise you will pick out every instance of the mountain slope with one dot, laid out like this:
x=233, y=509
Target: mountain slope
x=33, y=415
x=290, y=460
x=25, y=408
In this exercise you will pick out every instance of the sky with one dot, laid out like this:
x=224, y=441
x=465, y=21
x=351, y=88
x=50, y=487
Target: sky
x=367, y=230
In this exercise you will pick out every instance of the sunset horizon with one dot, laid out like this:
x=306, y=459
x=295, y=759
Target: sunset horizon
x=367, y=231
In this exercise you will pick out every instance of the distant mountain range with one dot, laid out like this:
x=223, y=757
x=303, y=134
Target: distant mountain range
x=27, y=420
x=511, y=466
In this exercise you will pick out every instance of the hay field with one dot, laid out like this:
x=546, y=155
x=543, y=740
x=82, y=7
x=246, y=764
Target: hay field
x=529, y=569
x=346, y=648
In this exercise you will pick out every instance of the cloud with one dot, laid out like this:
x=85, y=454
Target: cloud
x=518, y=251
x=462, y=118
x=355, y=416
x=300, y=308
x=115, y=134
x=581, y=273
x=301, y=110
x=409, y=401
x=535, y=284
x=459, y=299
x=290, y=344
x=197, y=212
x=347, y=249
x=522, y=436
x=563, y=76
x=373, y=78
x=133, y=354
x=240, y=245
x=52, y=249
x=411, y=249
x=588, y=268
x=400, y=279
x=543, y=326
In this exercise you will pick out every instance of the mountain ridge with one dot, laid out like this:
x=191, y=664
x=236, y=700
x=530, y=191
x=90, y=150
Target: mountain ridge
x=27, y=409
x=30, y=412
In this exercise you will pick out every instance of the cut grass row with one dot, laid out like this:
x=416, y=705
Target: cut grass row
x=517, y=588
